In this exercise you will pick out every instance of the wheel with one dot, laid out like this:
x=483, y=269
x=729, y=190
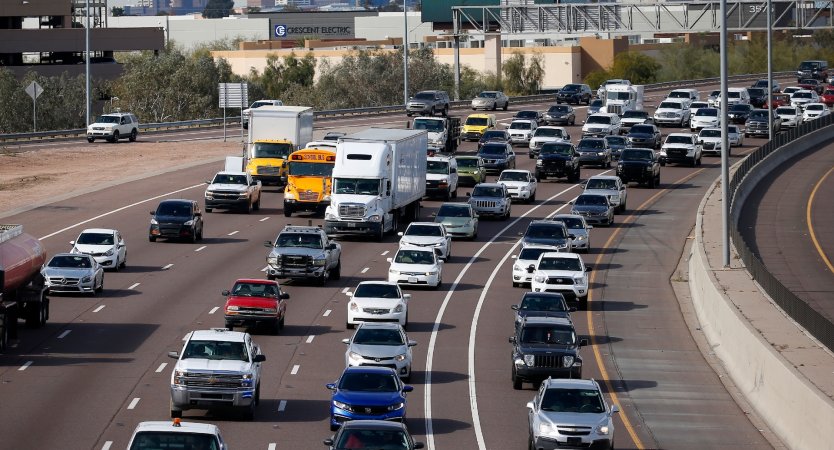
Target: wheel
x=208, y=210
x=516, y=284
x=495, y=106
x=662, y=163
x=100, y=286
x=656, y=181
x=381, y=235
x=91, y=140
x=408, y=114
x=287, y=210
x=322, y=280
x=249, y=411
x=608, y=163
x=532, y=198
x=133, y=134
x=349, y=325
x=124, y=261
x=281, y=323
x=431, y=111
x=257, y=205
x=200, y=234
x=275, y=328
x=445, y=111
x=115, y=136
x=583, y=303
x=699, y=161
x=439, y=283
x=455, y=193
x=447, y=196
x=407, y=378
x=193, y=236
x=176, y=414
x=506, y=105
x=516, y=382
x=573, y=120
x=337, y=272
x=622, y=207
x=248, y=209
x=152, y=238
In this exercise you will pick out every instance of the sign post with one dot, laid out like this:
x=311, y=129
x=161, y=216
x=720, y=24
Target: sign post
x=34, y=90
x=233, y=95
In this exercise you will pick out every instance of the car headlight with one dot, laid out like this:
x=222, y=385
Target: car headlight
x=562, y=246
x=319, y=261
x=341, y=405
x=400, y=357
x=429, y=274
x=330, y=216
x=581, y=237
x=354, y=355
x=547, y=429
x=154, y=222
x=602, y=430
x=396, y=406
x=326, y=198
x=517, y=267
x=288, y=194
x=600, y=153
x=109, y=252
x=567, y=361
x=374, y=218
x=539, y=162
x=529, y=359
x=648, y=168
x=518, y=362
x=539, y=278
x=399, y=308
x=353, y=306
x=189, y=223
x=272, y=260
x=579, y=280
x=233, y=308
x=87, y=279
x=178, y=377
x=270, y=310
x=393, y=271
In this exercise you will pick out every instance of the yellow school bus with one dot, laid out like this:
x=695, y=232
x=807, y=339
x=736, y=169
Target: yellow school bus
x=309, y=180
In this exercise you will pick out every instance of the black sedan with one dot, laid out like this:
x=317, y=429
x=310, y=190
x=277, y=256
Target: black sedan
x=739, y=112
x=560, y=115
x=644, y=135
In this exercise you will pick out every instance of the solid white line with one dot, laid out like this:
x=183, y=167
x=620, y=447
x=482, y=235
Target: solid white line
x=365, y=269
x=161, y=367
x=295, y=369
x=133, y=403
x=200, y=248
x=326, y=313
x=282, y=405
x=233, y=233
x=25, y=365
x=345, y=290
x=272, y=446
x=64, y=334
x=107, y=445
x=264, y=219
x=98, y=309
x=120, y=209
x=168, y=266
x=427, y=403
x=310, y=338
x=214, y=310
x=133, y=286
x=384, y=253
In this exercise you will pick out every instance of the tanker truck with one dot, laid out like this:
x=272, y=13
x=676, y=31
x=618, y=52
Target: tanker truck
x=24, y=291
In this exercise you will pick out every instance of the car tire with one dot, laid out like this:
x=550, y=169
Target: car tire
x=200, y=234
x=349, y=326
x=532, y=198
x=583, y=303
x=662, y=163
x=257, y=205
x=176, y=413
x=115, y=137
x=275, y=328
x=431, y=111
x=249, y=411
x=515, y=284
x=287, y=211
x=517, y=383
x=445, y=111
x=694, y=162
x=151, y=238
x=133, y=134
x=322, y=280
x=337, y=272
x=124, y=261
x=91, y=140
x=208, y=210
x=381, y=235
x=506, y=105
x=494, y=106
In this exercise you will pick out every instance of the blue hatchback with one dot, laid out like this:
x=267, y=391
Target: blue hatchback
x=367, y=393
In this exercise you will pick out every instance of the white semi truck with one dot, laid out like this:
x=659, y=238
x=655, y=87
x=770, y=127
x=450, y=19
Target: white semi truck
x=378, y=182
x=620, y=98
x=274, y=133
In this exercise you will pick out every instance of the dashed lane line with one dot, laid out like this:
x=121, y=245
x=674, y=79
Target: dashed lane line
x=64, y=334
x=99, y=308
x=295, y=369
x=133, y=403
x=161, y=367
x=133, y=286
x=25, y=365
x=214, y=310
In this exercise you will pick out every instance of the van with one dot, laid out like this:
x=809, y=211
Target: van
x=734, y=95
x=476, y=125
x=687, y=95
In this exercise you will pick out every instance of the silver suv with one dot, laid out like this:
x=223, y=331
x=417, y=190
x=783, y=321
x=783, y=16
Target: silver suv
x=428, y=102
x=490, y=199
x=114, y=126
x=570, y=413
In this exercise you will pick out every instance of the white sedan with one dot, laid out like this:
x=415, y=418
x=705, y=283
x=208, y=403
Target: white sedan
x=416, y=266
x=106, y=246
x=429, y=235
x=521, y=184
x=813, y=111
x=377, y=301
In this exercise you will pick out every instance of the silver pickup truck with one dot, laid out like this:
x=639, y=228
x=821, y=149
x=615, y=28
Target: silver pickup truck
x=610, y=186
x=233, y=190
x=304, y=252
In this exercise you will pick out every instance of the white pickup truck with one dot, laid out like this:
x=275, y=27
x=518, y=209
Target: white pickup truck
x=233, y=190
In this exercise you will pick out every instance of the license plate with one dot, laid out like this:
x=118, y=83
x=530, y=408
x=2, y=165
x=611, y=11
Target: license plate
x=574, y=441
x=351, y=224
x=412, y=279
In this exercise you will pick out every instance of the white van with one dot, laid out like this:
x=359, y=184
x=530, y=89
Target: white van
x=734, y=96
x=686, y=95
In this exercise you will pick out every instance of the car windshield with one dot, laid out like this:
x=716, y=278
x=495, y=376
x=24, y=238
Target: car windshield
x=597, y=200
x=573, y=223
x=538, y=302
x=376, y=439
x=158, y=440
x=706, y=112
x=758, y=115
x=710, y=133
x=715, y=93
x=493, y=150
x=828, y=92
x=310, y=169
x=487, y=191
x=424, y=96
x=547, y=231
x=569, y=264
x=698, y=105
x=362, y=186
x=488, y=94
x=508, y=175
x=526, y=115
x=678, y=94
x=107, y=119
x=377, y=290
x=572, y=400
x=733, y=94
x=549, y=132
x=476, y=121
x=601, y=183
x=558, y=109
x=437, y=167
x=556, y=149
x=424, y=230
x=591, y=144
x=807, y=65
x=469, y=163
x=740, y=108
x=176, y=209
x=494, y=134
x=635, y=114
x=70, y=262
x=756, y=92
x=368, y=382
x=636, y=155
x=378, y=336
x=429, y=124
x=599, y=119
x=414, y=257
x=788, y=111
x=801, y=94
x=95, y=239
x=547, y=335
x=532, y=253
x=616, y=140
x=255, y=290
x=790, y=90
x=642, y=129
x=570, y=88
x=304, y=240
x=811, y=107
x=521, y=125
x=280, y=150
x=678, y=139
x=669, y=105
x=225, y=178
x=453, y=211
x=216, y=350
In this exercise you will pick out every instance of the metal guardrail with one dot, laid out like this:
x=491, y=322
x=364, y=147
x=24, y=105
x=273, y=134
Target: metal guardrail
x=812, y=320
x=207, y=123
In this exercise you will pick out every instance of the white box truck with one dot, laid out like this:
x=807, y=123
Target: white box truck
x=620, y=98
x=378, y=181
x=274, y=133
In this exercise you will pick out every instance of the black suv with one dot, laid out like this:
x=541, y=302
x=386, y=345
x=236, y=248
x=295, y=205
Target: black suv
x=758, y=96
x=816, y=69
x=545, y=347
x=178, y=219
x=640, y=165
x=541, y=304
x=575, y=93
x=428, y=102
x=558, y=159
x=550, y=233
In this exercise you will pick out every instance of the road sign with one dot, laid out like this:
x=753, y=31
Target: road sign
x=234, y=95
x=34, y=90
x=280, y=31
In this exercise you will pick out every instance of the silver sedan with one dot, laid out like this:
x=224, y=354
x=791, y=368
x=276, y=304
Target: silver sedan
x=491, y=100
x=73, y=272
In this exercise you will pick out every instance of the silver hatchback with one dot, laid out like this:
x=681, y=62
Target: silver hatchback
x=382, y=344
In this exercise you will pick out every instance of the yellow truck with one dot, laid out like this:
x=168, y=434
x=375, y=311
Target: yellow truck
x=309, y=180
x=274, y=133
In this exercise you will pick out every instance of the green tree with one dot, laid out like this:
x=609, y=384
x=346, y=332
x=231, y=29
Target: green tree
x=288, y=73
x=216, y=9
x=636, y=67
x=521, y=78
x=596, y=78
x=117, y=11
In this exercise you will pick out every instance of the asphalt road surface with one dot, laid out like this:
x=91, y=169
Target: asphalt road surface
x=100, y=365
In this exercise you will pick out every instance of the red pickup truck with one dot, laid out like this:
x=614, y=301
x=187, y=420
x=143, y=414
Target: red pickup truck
x=253, y=302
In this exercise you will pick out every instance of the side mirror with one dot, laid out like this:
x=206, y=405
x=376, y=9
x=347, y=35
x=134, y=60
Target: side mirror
x=174, y=355
x=583, y=342
x=285, y=296
x=530, y=405
x=400, y=234
x=225, y=293
x=253, y=183
x=329, y=442
x=570, y=202
x=512, y=339
x=259, y=358
x=267, y=243
x=588, y=268
x=331, y=246
x=408, y=388
x=331, y=386
x=453, y=170
x=419, y=445
x=72, y=242
x=346, y=341
x=198, y=214
x=153, y=212
x=514, y=307
x=390, y=260
x=412, y=343
x=572, y=309
x=434, y=214
x=406, y=297
x=469, y=194
x=615, y=409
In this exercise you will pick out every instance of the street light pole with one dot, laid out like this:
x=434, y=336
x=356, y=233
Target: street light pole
x=769, y=70
x=405, y=53
x=87, y=54
x=725, y=148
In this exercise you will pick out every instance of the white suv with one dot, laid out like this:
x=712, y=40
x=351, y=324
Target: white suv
x=442, y=177
x=114, y=126
x=564, y=273
x=601, y=125
x=672, y=112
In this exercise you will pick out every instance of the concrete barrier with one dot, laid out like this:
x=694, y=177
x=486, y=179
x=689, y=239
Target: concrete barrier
x=784, y=374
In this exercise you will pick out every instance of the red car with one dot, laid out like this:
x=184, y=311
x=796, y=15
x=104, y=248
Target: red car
x=827, y=96
x=778, y=100
x=253, y=302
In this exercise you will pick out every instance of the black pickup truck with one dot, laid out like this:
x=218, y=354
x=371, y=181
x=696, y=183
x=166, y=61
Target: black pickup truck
x=558, y=160
x=639, y=165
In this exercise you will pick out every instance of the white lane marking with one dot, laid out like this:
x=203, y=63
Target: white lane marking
x=214, y=310
x=98, y=309
x=384, y=253
x=326, y=313
x=133, y=286
x=233, y=233
x=133, y=403
x=264, y=219
x=272, y=446
x=365, y=269
x=107, y=445
x=64, y=334
x=310, y=338
x=282, y=405
x=295, y=369
x=345, y=290
x=167, y=266
x=427, y=403
x=161, y=367
x=25, y=365
x=120, y=209
x=200, y=248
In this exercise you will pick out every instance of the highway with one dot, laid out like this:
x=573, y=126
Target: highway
x=100, y=366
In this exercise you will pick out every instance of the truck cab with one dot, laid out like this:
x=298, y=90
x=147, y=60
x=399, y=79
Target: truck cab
x=442, y=177
x=444, y=132
x=275, y=132
x=268, y=159
x=309, y=180
x=620, y=98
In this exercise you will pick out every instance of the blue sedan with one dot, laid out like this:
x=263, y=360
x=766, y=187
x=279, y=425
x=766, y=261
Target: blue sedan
x=367, y=393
